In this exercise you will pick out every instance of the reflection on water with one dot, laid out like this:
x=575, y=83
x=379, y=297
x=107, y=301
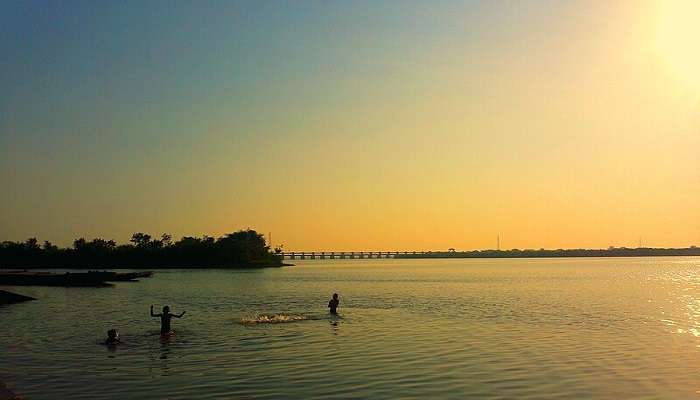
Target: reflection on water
x=553, y=328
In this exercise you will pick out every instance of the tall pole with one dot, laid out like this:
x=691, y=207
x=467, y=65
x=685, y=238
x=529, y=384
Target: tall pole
x=498, y=242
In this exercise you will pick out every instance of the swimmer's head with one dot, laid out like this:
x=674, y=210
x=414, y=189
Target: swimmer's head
x=335, y=296
x=166, y=309
x=112, y=333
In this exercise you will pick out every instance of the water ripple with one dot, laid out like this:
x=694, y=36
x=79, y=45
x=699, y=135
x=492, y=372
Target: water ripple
x=453, y=329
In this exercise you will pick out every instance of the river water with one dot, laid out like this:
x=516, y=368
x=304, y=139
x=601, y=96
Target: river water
x=508, y=328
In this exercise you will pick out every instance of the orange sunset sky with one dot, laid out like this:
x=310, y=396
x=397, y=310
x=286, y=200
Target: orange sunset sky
x=354, y=125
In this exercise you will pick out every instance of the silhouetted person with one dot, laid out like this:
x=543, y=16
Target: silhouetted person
x=112, y=337
x=333, y=304
x=165, y=319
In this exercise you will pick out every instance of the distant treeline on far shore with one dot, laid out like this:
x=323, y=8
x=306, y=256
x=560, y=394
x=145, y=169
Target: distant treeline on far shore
x=543, y=253
x=242, y=249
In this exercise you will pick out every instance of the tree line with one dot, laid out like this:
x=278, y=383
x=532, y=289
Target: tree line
x=242, y=249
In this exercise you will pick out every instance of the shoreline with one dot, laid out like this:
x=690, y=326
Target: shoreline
x=155, y=269
x=7, y=394
x=7, y=297
x=569, y=253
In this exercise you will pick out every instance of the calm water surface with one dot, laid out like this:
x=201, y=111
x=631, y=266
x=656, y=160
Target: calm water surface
x=541, y=328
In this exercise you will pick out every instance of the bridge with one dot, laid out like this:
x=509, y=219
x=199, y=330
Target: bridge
x=322, y=255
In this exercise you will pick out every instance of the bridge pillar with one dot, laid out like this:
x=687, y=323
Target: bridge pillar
x=332, y=256
x=323, y=255
x=313, y=255
x=342, y=255
x=291, y=256
x=352, y=254
x=303, y=256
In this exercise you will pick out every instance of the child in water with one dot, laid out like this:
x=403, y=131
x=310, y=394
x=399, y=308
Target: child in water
x=333, y=304
x=165, y=319
x=112, y=337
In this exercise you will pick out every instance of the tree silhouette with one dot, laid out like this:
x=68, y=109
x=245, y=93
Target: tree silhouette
x=140, y=239
x=240, y=249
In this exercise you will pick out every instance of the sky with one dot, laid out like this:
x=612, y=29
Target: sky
x=363, y=125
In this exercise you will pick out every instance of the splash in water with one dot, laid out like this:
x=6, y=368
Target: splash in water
x=272, y=319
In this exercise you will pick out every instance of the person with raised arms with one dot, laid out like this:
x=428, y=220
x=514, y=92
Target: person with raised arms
x=165, y=318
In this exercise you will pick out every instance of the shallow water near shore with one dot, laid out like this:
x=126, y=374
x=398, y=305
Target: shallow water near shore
x=499, y=328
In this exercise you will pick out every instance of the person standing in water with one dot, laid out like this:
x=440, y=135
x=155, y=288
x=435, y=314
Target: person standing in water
x=333, y=304
x=165, y=318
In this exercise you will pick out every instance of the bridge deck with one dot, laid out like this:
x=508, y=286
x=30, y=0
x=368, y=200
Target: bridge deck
x=292, y=255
